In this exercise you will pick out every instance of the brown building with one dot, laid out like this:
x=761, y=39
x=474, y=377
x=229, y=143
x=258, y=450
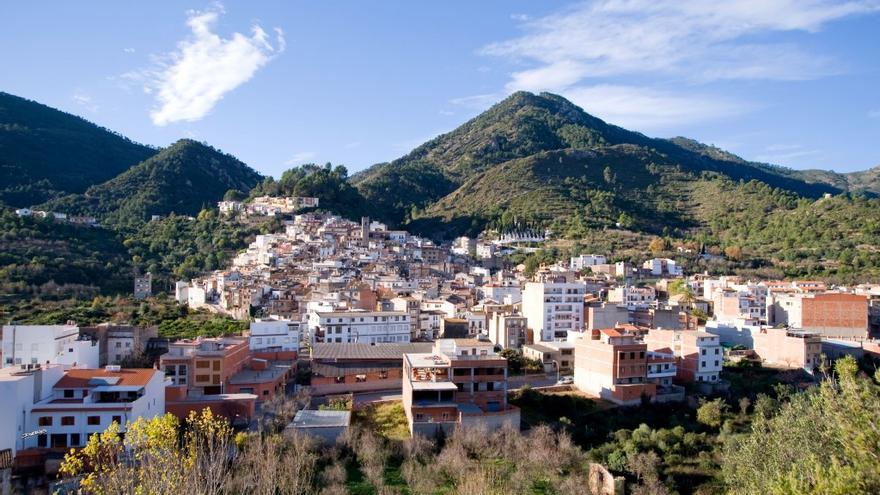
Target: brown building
x=345, y=368
x=460, y=382
x=832, y=315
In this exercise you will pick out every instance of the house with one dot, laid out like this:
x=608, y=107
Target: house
x=789, y=348
x=698, y=353
x=143, y=286
x=461, y=382
x=583, y=261
x=86, y=401
x=659, y=267
x=351, y=367
x=633, y=297
x=556, y=356
x=275, y=339
x=34, y=345
x=554, y=308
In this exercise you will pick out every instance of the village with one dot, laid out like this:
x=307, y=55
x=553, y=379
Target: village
x=338, y=308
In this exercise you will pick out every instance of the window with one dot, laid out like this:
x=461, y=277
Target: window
x=716, y=351
x=42, y=440
x=702, y=364
x=622, y=356
x=203, y=364
x=383, y=375
x=58, y=440
x=632, y=355
x=716, y=362
x=360, y=378
x=641, y=354
x=703, y=352
x=74, y=439
x=216, y=365
x=94, y=420
x=119, y=345
x=45, y=421
x=68, y=394
x=67, y=421
x=117, y=419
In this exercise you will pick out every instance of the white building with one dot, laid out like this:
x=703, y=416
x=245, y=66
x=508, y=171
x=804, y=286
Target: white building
x=578, y=263
x=364, y=327
x=554, y=309
x=633, y=297
x=19, y=390
x=663, y=266
x=87, y=401
x=274, y=335
x=30, y=345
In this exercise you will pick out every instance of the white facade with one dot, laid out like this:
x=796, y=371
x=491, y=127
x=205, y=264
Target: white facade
x=633, y=297
x=20, y=389
x=30, y=345
x=504, y=294
x=274, y=336
x=554, y=309
x=578, y=263
x=364, y=327
x=87, y=401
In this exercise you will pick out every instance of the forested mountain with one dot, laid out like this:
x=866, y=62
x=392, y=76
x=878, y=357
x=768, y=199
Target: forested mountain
x=544, y=130
x=45, y=153
x=182, y=179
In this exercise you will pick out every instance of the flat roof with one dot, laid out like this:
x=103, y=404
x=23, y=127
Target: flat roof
x=434, y=386
x=310, y=418
x=259, y=376
x=367, y=351
x=427, y=360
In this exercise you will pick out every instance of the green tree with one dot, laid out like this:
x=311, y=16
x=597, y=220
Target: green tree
x=711, y=412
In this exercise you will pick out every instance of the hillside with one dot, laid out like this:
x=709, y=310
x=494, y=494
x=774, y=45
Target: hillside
x=182, y=179
x=427, y=181
x=46, y=153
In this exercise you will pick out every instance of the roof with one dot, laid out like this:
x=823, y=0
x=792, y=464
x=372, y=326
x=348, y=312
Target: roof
x=437, y=386
x=84, y=378
x=309, y=418
x=367, y=351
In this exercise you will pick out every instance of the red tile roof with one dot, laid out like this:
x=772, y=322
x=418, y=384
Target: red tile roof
x=80, y=378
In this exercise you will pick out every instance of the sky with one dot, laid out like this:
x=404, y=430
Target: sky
x=281, y=83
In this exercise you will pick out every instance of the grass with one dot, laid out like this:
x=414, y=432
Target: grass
x=386, y=418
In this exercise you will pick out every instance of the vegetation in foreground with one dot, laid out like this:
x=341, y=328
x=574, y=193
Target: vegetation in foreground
x=823, y=440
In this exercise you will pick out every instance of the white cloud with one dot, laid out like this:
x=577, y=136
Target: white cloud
x=648, y=109
x=85, y=101
x=692, y=38
x=301, y=157
x=189, y=81
x=128, y=50
x=786, y=154
x=874, y=114
x=477, y=102
x=599, y=53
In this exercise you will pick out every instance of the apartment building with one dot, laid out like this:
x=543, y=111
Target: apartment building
x=461, y=382
x=32, y=345
x=699, y=354
x=87, y=401
x=554, y=308
x=275, y=339
x=612, y=364
x=205, y=366
x=20, y=389
x=832, y=315
x=510, y=331
x=663, y=266
x=350, y=368
x=364, y=327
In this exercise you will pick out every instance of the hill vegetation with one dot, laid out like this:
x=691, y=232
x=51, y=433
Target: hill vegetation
x=183, y=178
x=45, y=153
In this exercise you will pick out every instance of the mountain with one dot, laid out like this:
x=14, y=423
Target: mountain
x=46, y=153
x=182, y=178
x=540, y=159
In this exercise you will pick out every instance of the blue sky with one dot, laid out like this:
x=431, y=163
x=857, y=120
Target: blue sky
x=792, y=82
